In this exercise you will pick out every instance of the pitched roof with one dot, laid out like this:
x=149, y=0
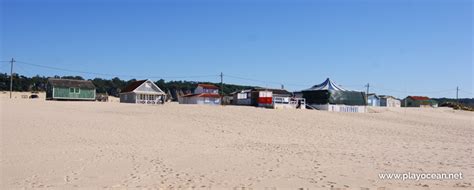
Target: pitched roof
x=241, y=91
x=209, y=95
x=328, y=84
x=208, y=86
x=132, y=86
x=387, y=96
x=374, y=95
x=419, y=97
x=70, y=83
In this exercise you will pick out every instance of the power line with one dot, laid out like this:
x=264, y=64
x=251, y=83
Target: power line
x=115, y=75
x=265, y=81
x=4, y=66
x=402, y=91
x=463, y=91
x=250, y=79
x=205, y=76
x=21, y=68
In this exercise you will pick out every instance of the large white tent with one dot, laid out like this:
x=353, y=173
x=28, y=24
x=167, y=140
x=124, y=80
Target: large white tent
x=332, y=97
x=328, y=84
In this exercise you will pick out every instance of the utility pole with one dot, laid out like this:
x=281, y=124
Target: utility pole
x=222, y=88
x=368, y=86
x=11, y=77
x=367, y=94
x=457, y=93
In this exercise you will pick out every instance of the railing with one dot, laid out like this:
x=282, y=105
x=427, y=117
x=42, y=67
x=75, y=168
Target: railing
x=148, y=102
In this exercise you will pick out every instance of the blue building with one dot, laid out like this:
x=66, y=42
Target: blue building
x=373, y=100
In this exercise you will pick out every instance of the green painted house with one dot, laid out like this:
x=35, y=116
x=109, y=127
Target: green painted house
x=418, y=101
x=68, y=89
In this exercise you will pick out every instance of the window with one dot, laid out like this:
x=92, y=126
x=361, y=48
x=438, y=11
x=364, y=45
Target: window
x=74, y=90
x=242, y=96
x=206, y=100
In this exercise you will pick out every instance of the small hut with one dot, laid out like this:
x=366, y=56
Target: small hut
x=389, y=101
x=142, y=92
x=267, y=97
x=419, y=101
x=69, y=89
x=373, y=100
x=242, y=97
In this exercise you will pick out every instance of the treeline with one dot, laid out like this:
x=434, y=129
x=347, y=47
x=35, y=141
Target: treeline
x=464, y=101
x=110, y=86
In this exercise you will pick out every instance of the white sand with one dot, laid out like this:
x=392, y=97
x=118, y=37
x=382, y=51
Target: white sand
x=21, y=95
x=89, y=145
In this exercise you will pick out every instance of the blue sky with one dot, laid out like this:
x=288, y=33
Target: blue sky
x=416, y=47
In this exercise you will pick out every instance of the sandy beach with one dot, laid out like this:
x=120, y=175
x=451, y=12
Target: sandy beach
x=92, y=145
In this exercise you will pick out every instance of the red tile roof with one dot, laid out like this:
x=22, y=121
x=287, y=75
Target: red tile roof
x=133, y=86
x=419, y=97
x=205, y=95
x=209, y=95
x=208, y=86
x=189, y=95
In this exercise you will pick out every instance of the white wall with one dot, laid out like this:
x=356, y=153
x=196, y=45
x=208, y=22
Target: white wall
x=340, y=108
x=200, y=100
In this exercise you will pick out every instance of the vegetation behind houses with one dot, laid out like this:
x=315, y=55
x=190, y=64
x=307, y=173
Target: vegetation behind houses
x=110, y=86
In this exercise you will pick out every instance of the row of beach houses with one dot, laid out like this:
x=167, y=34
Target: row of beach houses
x=326, y=96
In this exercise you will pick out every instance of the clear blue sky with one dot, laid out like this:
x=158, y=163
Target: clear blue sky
x=423, y=47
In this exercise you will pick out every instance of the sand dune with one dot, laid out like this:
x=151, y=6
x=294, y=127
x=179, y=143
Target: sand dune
x=89, y=145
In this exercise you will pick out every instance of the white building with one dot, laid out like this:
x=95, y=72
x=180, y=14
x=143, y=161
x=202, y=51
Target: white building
x=389, y=101
x=142, y=92
x=203, y=94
